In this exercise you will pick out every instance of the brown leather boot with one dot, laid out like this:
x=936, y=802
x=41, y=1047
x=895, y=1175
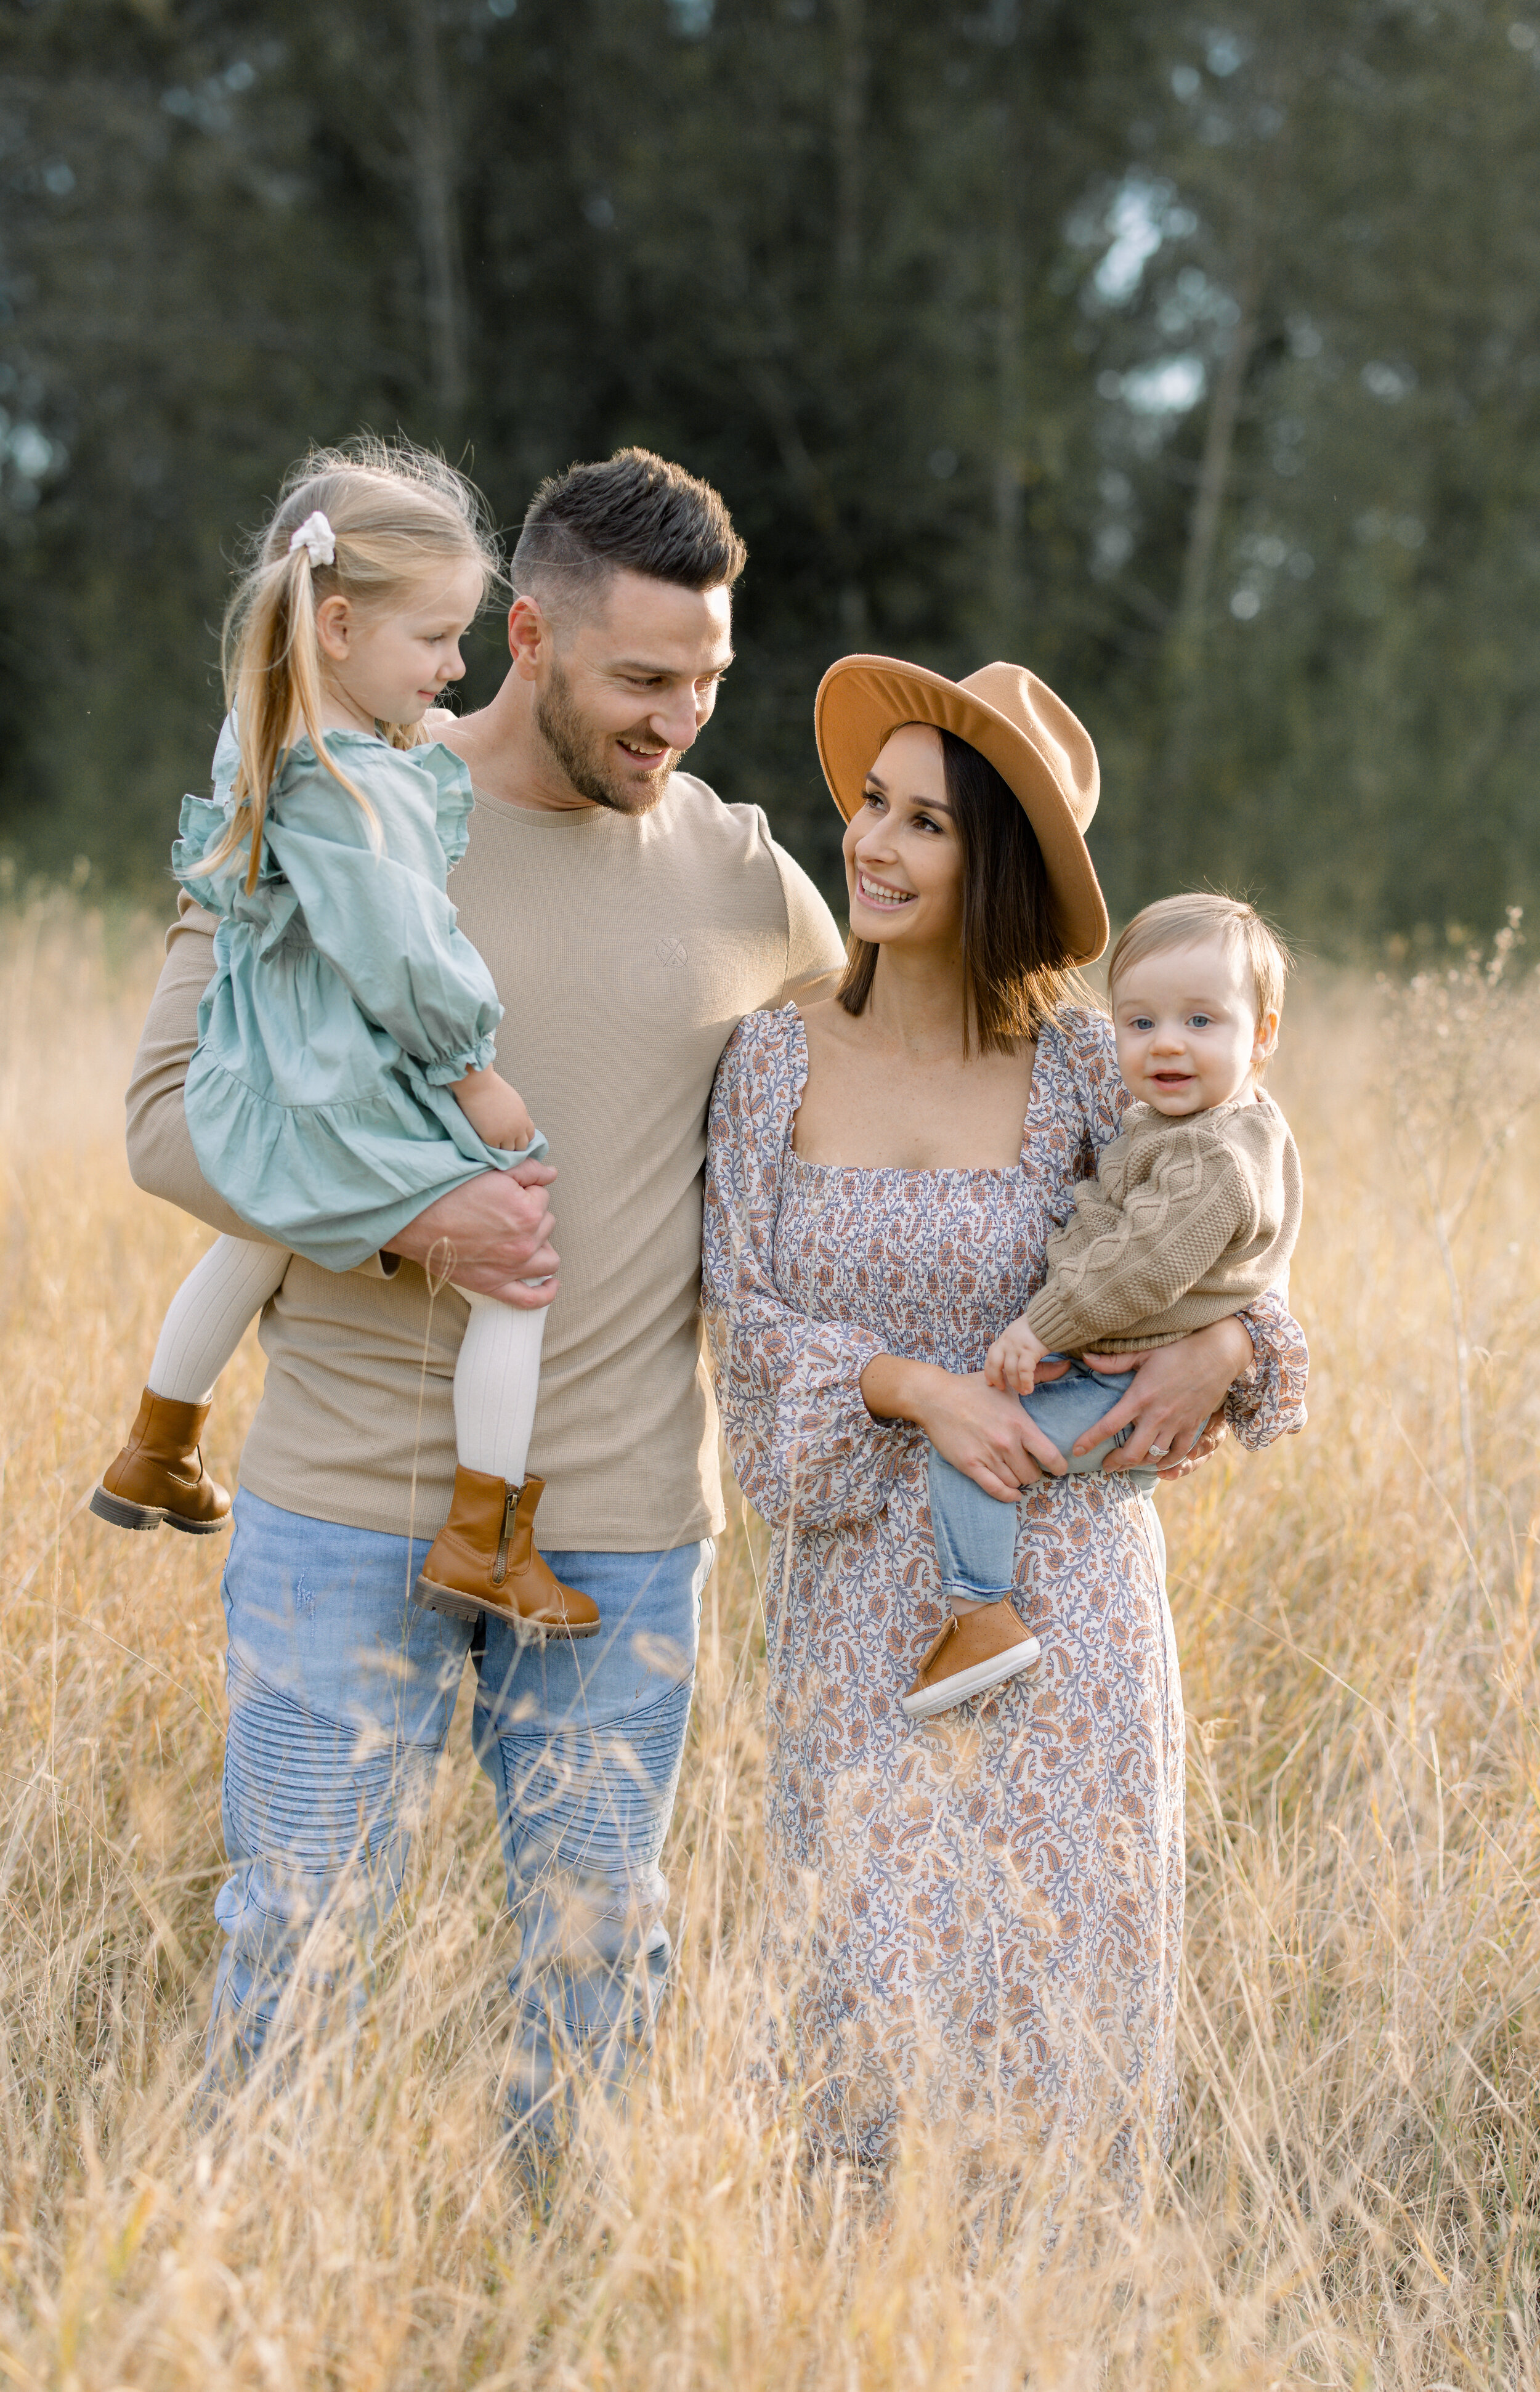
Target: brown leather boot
x=159, y=1474
x=483, y=1559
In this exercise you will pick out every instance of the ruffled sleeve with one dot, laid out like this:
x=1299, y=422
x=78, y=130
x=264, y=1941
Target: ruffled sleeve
x=455, y=798
x=1268, y=1400
x=801, y=1439
x=271, y=904
x=382, y=919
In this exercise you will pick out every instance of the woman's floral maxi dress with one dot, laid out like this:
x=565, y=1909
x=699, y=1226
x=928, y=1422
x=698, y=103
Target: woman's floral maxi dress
x=979, y=1914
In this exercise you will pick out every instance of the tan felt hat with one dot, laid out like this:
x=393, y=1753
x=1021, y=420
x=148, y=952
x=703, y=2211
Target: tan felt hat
x=1041, y=753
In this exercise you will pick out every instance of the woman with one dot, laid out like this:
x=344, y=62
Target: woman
x=980, y=1914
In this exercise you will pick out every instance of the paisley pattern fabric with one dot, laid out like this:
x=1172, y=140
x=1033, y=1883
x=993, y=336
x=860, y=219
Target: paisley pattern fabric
x=978, y=1915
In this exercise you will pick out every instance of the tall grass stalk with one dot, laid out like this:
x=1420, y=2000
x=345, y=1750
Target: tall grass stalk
x=1352, y=2197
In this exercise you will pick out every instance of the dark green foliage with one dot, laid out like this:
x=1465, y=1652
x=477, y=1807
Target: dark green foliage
x=903, y=280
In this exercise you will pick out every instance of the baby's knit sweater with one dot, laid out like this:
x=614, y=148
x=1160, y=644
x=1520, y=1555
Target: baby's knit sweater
x=1185, y=1221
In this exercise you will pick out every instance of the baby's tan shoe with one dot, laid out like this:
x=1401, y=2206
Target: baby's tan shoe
x=974, y=1650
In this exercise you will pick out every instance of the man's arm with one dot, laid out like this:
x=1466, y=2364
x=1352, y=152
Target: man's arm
x=492, y=1234
x=160, y=1151
x=814, y=947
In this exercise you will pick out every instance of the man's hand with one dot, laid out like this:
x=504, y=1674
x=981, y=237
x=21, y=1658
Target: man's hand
x=1176, y=1401
x=1012, y=1361
x=492, y=1235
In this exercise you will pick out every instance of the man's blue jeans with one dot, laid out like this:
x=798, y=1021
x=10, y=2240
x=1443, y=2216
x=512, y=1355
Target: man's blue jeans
x=975, y=1533
x=341, y=1694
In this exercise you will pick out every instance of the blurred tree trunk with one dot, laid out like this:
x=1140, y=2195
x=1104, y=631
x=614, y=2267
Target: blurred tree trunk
x=433, y=165
x=855, y=67
x=1187, y=642
x=1011, y=390
x=1213, y=476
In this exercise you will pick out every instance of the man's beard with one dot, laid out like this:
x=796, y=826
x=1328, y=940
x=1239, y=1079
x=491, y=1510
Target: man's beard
x=579, y=749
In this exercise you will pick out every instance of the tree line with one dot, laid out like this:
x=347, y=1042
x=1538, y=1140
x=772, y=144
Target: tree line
x=1193, y=359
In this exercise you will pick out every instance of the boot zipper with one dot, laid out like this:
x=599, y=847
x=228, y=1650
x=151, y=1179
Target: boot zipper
x=510, y=1506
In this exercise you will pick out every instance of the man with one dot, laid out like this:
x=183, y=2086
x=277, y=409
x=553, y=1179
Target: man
x=629, y=921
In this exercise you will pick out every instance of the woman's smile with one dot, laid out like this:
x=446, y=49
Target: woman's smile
x=880, y=893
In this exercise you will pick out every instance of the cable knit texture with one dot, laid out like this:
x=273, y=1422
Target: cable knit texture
x=1185, y=1222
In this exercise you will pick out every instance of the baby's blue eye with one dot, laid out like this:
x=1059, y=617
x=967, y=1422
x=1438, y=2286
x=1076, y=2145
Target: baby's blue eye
x=1141, y=1023
x=1200, y=1021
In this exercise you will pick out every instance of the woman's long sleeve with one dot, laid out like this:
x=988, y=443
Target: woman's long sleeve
x=1268, y=1400
x=802, y=1441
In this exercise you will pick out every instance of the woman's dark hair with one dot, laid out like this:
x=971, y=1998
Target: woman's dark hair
x=1016, y=973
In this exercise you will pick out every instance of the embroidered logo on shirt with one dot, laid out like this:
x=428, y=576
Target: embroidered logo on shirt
x=671, y=953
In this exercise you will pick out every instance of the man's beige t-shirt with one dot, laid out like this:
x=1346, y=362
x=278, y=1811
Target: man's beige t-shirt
x=626, y=949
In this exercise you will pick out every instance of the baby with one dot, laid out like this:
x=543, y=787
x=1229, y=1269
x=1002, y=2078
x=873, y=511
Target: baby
x=1193, y=1212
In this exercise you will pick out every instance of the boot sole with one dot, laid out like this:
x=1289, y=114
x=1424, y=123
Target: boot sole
x=124, y=1514
x=430, y=1596
x=964, y=1684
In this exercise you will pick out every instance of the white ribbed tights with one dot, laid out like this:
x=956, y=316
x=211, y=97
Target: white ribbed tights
x=497, y=1380
x=208, y=1316
x=496, y=1377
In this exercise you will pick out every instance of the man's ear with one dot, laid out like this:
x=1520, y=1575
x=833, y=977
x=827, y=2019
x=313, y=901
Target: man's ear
x=529, y=637
x=334, y=627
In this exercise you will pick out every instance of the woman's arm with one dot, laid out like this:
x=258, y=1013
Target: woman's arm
x=1176, y=1393
x=1248, y=1372
x=981, y=1430
x=160, y=1151
x=803, y=1443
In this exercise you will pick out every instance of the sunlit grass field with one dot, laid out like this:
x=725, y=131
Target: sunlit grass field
x=1354, y=2195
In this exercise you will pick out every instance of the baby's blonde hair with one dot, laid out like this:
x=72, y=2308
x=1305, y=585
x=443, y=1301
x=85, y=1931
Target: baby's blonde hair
x=1198, y=913
x=396, y=513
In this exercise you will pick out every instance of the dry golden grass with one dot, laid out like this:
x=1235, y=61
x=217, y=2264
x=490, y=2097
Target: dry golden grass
x=1354, y=2198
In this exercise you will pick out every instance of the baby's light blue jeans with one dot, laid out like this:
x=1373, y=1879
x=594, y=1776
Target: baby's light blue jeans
x=341, y=1694
x=975, y=1533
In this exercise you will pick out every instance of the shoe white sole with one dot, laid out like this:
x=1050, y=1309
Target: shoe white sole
x=976, y=1681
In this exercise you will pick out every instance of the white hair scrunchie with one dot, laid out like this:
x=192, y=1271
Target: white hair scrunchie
x=318, y=538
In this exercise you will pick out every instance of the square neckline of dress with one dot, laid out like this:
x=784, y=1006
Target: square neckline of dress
x=904, y=1170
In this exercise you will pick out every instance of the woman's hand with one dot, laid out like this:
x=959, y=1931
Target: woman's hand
x=1209, y=1440
x=1176, y=1401
x=982, y=1431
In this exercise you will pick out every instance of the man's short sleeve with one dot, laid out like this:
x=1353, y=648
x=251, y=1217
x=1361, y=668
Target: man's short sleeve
x=814, y=947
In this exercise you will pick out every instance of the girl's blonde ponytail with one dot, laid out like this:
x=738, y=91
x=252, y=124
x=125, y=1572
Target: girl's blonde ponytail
x=396, y=514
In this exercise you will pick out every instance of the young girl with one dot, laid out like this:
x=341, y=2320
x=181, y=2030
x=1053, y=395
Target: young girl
x=343, y=1074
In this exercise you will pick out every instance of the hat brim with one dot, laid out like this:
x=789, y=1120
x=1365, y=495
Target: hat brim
x=861, y=700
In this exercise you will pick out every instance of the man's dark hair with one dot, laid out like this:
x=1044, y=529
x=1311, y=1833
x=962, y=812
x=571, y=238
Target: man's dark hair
x=637, y=513
x=1015, y=969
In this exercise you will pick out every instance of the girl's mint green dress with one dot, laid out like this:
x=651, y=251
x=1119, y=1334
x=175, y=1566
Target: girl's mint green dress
x=343, y=1001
